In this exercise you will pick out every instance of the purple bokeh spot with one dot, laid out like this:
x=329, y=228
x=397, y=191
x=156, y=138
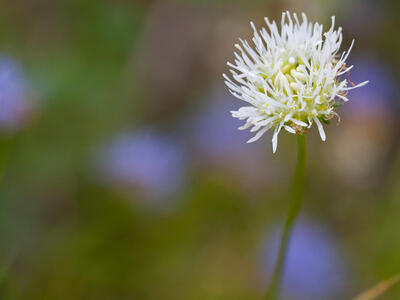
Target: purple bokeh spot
x=147, y=159
x=216, y=131
x=14, y=100
x=379, y=95
x=314, y=268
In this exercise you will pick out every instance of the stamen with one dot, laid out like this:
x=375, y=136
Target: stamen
x=296, y=86
x=298, y=75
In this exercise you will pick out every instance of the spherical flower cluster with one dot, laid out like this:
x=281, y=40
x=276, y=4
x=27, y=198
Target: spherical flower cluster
x=290, y=78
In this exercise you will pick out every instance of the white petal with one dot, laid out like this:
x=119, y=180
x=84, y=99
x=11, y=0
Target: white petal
x=274, y=142
x=289, y=129
x=300, y=123
x=258, y=135
x=245, y=126
x=275, y=138
x=320, y=129
x=357, y=86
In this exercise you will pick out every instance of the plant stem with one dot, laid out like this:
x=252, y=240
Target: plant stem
x=294, y=209
x=5, y=144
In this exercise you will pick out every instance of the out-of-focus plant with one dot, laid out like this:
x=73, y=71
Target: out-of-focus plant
x=378, y=290
x=16, y=104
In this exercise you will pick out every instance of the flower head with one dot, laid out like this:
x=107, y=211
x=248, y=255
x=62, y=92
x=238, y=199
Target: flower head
x=290, y=78
x=315, y=267
x=148, y=159
x=16, y=105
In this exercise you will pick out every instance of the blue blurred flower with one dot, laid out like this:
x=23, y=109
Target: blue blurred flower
x=215, y=131
x=314, y=267
x=15, y=103
x=361, y=145
x=147, y=160
x=220, y=146
x=376, y=98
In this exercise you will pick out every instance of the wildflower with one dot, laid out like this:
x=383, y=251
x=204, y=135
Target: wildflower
x=148, y=160
x=16, y=103
x=290, y=78
x=315, y=266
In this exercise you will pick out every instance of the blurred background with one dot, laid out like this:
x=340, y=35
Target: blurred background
x=123, y=175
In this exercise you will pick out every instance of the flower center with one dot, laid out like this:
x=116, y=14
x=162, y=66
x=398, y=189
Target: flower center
x=290, y=75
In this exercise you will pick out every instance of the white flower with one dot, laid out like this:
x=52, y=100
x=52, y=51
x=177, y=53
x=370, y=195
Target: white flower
x=290, y=78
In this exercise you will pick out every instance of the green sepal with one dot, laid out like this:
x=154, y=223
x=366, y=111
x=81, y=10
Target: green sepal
x=325, y=121
x=337, y=104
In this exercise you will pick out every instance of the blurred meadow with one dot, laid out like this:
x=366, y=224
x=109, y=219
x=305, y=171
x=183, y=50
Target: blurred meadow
x=123, y=175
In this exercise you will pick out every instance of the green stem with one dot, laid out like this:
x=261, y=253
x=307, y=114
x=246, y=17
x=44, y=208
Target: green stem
x=5, y=144
x=294, y=209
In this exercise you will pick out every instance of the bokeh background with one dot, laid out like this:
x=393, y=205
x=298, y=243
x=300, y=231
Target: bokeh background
x=123, y=175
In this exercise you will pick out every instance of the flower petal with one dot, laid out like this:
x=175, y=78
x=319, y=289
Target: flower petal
x=320, y=129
